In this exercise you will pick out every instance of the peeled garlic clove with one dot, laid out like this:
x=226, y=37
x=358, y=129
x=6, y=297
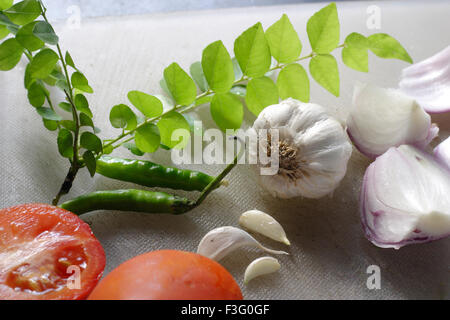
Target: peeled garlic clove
x=260, y=267
x=384, y=118
x=429, y=82
x=405, y=198
x=219, y=242
x=260, y=222
x=442, y=152
x=313, y=150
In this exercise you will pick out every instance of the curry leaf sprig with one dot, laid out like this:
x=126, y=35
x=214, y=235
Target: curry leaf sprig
x=222, y=81
x=33, y=36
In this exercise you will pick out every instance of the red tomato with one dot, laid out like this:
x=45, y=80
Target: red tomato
x=168, y=275
x=38, y=244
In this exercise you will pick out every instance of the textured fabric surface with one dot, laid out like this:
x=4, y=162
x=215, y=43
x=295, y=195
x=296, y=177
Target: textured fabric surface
x=329, y=254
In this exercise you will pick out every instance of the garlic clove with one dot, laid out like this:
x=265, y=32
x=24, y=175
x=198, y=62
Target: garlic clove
x=404, y=198
x=220, y=242
x=442, y=152
x=260, y=222
x=314, y=150
x=384, y=118
x=260, y=267
x=429, y=82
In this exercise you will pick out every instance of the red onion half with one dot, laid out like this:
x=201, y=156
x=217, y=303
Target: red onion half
x=405, y=198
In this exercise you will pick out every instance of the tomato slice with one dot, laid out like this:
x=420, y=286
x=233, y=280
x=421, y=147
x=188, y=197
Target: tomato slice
x=47, y=253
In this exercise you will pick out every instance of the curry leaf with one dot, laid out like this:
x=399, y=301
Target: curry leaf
x=293, y=82
x=44, y=31
x=5, y=4
x=91, y=164
x=122, y=116
x=324, y=29
x=82, y=105
x=48, y=114
x=91, y=142
x=227, y=111
x=324, y=70
x=10, y=54
x=218, y=67
x=284, y=43
x=180, y=85
x=43, y=63
x=150, y=106
x=36, y=95
x=261, y=93
x=253, y=52
x=197, y=74
x=24, y=12
x=385, y=46
x=174, y=130
x=27, y=39
x=355, y=53
x=80, y=82
x=147, y=139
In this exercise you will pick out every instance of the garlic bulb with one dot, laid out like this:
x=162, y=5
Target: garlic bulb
x=260, y=267
x=429, y=82
x=312, y=147
x=442, y=152
x=258, y=221
x=384, y=118
x=219, y=242
x=405, y=198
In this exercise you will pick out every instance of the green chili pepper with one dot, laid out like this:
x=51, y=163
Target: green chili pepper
x=130, y=200
x=149, y=174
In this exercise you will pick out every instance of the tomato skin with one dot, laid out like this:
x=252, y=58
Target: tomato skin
x=168, y=275
x=21, y=226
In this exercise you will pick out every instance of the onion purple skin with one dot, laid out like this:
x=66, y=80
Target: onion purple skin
x=371, y=234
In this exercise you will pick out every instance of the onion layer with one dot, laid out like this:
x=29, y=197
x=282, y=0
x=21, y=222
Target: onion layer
x=429, y=82
x=442, y=152
x=405, y=198
x=384, y=118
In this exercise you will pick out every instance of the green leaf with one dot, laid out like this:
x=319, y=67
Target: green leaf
x=24, y=12
x=261, y=93
x=147, y=139
x=284, y=43
x=69, y=125
x=3, y=32
x=65, y=106
x=122, y=116
x=150, y=106
x=86, y=121
x=218, y=67
x=293, y=82
x=82, y=105
x=80, y=82
x=27, y=39
x=91, y=142
x=385, y=46
x=6, y=4
x=355, y=53
x=180, y=85
x=197, y=74
x=48, y=114
x=108, y=149
x=36, y=95
x=65, y=143
x=165, y=88
x=133, y=149
x=50, y=125
x=43, y=63
x=168, y=125
x=227, y=111
x=44, y=31
x=324, y=70
x=253, y=52
x=10, y=54
x=62, y=84
x=91, y=163
x=324, y=29
x=69, y=60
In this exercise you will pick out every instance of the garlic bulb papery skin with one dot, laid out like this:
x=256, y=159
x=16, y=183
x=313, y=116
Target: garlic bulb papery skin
x=383, y=118
x=220, y=242
x=261, y=267
x=442, y=152
x=405, y=198
x=429, y=82
x=313, y=150
x=261, y=222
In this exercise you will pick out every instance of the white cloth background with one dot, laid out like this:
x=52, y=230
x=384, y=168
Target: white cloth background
x=329, y=254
